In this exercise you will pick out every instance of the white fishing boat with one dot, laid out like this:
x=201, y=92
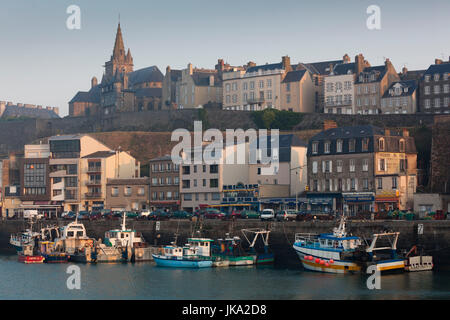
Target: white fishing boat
x=73, y=238
x=385, y=257
x=328, y=252
x=27, y=237
x=195, y=254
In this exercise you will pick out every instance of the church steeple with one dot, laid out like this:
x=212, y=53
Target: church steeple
x=119, y=60
x=119, y=48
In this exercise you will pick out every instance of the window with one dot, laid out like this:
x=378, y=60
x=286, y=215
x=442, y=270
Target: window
x=176, y=180
x=394, y=182
x=437, y=89
x=288, y=98
x=314, y=167
x=353, y=184
x=339, y=146
x=186, y=170
x=380, y=183
x=252, y=85
x=352, y=165
x=187, y=196
x=381, y=144
x=365, y=166
x=141, y=191
x=234, y=86
x=327, y=146
x=214, y=168
x=315, y=147
x=436, y=77
x=381, y=165
x=365, y=184
x=186, y=184
x=261, y=84
x=365, y=144
x=215, y=196
x=339, y=165
x=269, y=94
x=214, y=183
x=127, y=191
x=269, y=83
x=227, y=87
x=195, y=182
x=437, y=103
x=401, y=145
x=245, y=86
x=427, y=90
x=351, y=145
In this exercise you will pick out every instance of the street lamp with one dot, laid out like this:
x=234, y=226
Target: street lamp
x=296, y=193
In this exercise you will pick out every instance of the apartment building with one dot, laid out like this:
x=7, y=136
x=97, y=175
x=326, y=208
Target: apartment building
x=360, y=169
x=400, y=98
x=165, y=184
x=435, y=88
x=125, y=194
x=370, y=85
x=11, y=187
x=297, y=92
x=79, y=168
x=256, y=88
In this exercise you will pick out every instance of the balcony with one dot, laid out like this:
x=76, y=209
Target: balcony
x=94, y=169
x=93, y=183
x=93, y=195
x=256, y=100
x=339, y=103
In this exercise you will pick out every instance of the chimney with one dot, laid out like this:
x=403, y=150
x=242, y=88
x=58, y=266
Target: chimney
x=286, y=62
x=405, y=132
x=387, y=132
x=331, y=68
x=20, y=104
x=346, y=58
x=359, y=63
x=404, y=71
x=220, y=66
x=94, y=82
x=167, y=69
x=211, y=81
x=190, y=69
x=329, y=124
x=251, y=64
x=388, y=63
x=2, y=107
x=437, y=61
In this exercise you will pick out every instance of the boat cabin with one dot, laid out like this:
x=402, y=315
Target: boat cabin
x=198, y=246
x=74, y=230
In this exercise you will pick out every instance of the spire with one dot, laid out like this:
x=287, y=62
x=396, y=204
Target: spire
x=119, y=49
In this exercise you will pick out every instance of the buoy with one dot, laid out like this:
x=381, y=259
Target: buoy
x=317, y=260
x=322, y=262
x=331, y=261
x=327, y=264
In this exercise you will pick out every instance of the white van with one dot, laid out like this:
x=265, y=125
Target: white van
x=267, y=214
x=29, y=214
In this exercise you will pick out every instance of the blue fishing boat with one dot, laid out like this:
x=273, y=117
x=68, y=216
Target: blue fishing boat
x=264, y=256
x=195, y=254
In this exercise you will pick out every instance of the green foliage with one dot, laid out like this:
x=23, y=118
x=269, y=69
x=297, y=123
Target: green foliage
x=203, y=117
x=275, y=119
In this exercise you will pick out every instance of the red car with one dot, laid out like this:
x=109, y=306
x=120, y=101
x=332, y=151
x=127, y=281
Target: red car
x=213, y=214
x=233, y=215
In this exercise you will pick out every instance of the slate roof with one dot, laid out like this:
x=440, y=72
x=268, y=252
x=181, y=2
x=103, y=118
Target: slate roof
x=286, y=141
x=150, y=74
x=412, y=75
x=322, y=67
x=100, y=154
x=135, y=181
x=265, y=67
x=163, y=158
x=15, y=111
x=348, y=132
x=93, y=95
x=202, y=78
x=410, y=84
x=379, y=70
x=148, y=92
x=344, y=68
x=438, y=68
x=294, y=76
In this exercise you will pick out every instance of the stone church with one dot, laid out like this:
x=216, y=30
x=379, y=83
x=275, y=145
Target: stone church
x=122, y=89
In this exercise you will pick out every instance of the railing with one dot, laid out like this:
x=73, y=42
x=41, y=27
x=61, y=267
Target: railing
x=93, y=183
x=93, y=195
x=94, y=169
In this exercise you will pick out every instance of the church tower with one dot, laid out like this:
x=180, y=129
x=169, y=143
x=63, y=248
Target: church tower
x=120, y=61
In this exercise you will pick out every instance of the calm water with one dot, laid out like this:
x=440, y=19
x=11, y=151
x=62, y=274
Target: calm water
x=146, y=281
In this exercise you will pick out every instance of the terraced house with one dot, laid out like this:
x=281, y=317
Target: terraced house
x=435, y=88
x=361, y=169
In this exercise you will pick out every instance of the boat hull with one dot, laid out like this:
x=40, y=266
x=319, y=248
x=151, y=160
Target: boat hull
x=336, y=266
x=181, y=263
x=242, y=261
x=31, y=259
x=56, y=258
x=266, y=258
x=390, y=266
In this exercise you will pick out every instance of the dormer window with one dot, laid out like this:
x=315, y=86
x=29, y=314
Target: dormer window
x=381, y=144
x=327, y=147
x=339, y=146
x=436, y=77
x=315, y=147
x=401, y=145
x=351, y=145
x=427, y=78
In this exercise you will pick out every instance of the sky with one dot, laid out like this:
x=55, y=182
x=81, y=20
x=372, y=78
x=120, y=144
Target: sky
x=43, y=62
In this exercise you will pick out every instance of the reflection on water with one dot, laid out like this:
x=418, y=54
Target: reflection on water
x=146, y=281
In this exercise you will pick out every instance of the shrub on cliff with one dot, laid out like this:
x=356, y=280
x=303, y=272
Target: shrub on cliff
x=275, y=119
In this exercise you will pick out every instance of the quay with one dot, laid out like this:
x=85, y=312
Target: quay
x=432, y=235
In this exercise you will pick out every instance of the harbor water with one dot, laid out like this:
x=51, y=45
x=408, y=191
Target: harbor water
x=147, y=281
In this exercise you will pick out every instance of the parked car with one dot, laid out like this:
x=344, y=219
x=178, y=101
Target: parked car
x=286, y=215
x=117, y=214
x=233, y=215
x=83, y=215
x=95, y=215
x=267, y=214
x=144, y=214
x=132, y=214
x=159, y=215
x=212, y=213
x=250, y=214
x=68, y=215
x=180, y=214
x=106, y=213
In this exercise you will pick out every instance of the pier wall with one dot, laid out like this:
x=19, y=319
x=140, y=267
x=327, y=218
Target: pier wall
x=435, y=238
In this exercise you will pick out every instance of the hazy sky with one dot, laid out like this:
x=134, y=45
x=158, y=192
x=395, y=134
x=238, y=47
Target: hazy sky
x=43, y=62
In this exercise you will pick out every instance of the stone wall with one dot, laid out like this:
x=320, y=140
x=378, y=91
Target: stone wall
x=435, y=238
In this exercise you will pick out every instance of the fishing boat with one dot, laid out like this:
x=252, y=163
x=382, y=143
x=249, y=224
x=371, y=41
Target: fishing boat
x=231, y=249
x=385, y=256
x=73, y=239
x=195, y=254
x=266, y=256
x=21, y=239
x=47, y=250
x=29, y=255
x=135, y=247
x=329, y=252
x=418, y=262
